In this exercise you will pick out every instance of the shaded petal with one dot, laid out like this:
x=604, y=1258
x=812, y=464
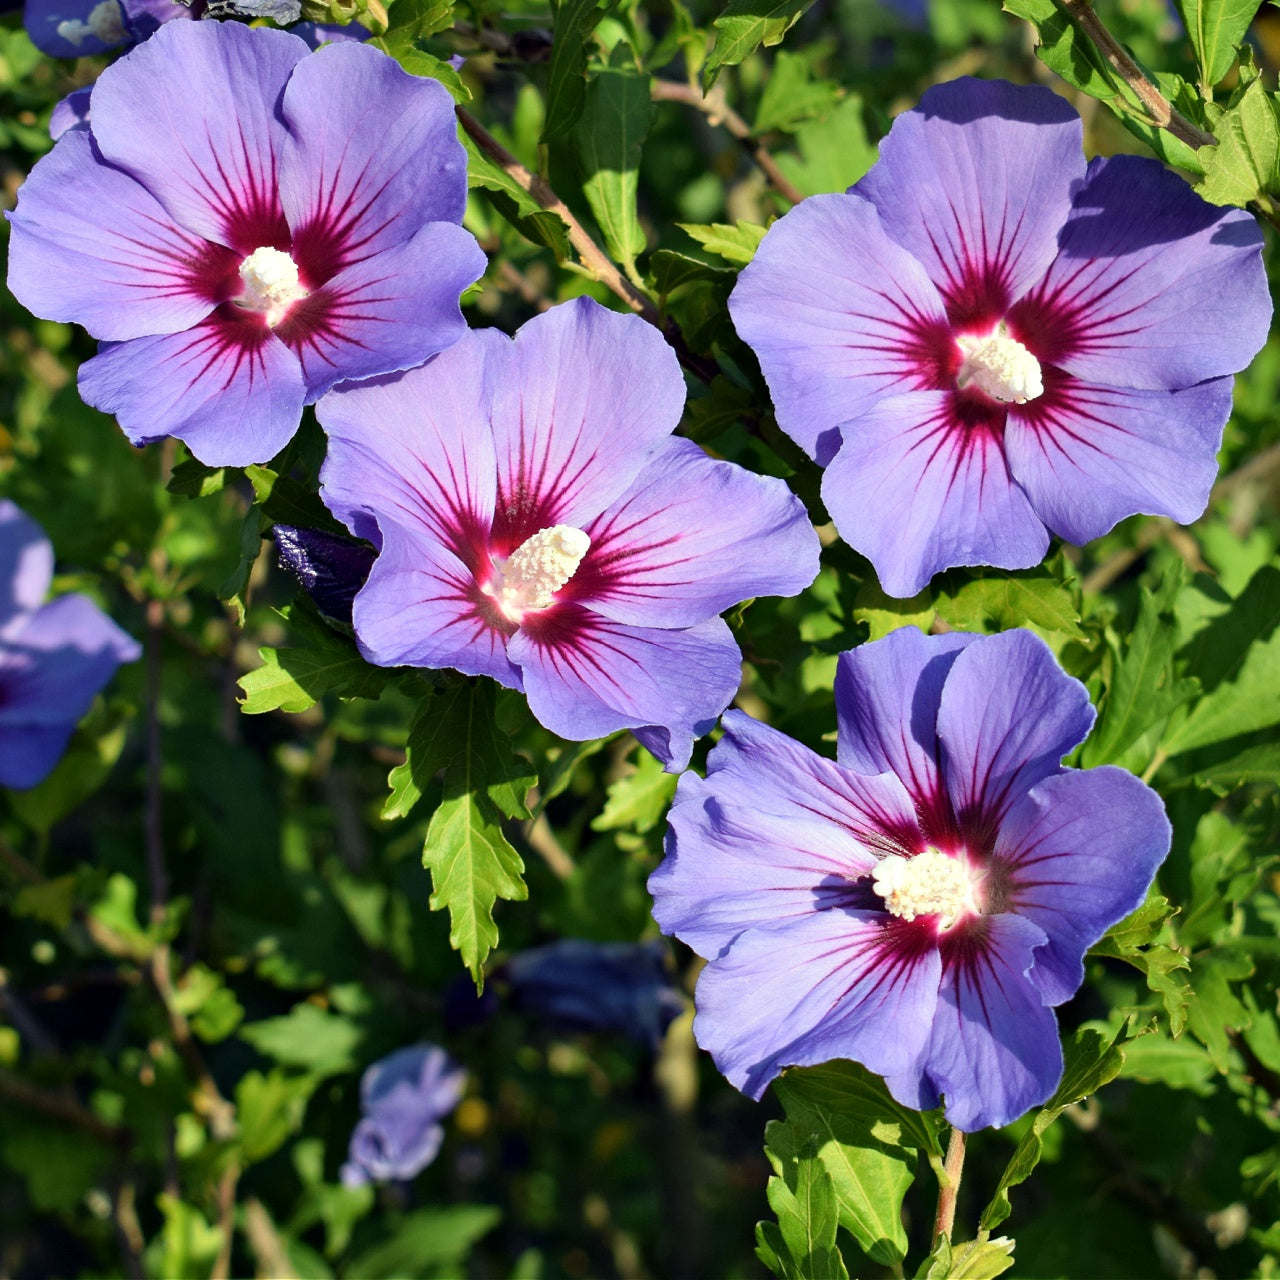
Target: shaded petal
x=229, y=388
x=386, y=313
x=191, y=113
x=887, y=696
x=1152, y=287
x=1088, y=456
x=1008, y=715
x=993, y=1051
x=416, y=450
x=420, y=607
x=1080, y=851
x=774, y=832
x=28, y=752
x=589, y=397
x=93, y=246
x=689, y=538
x=975, y=182
x=72, y=112
x=839, y=315
x=586, y=676
x=921, y=484
x=372, y=155
x=54, y=665
x=831, y=984
x=26, y=562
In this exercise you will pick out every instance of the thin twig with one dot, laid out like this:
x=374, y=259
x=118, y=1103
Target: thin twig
x=945, y=1220
x=226, y=1221
x=1161, y=110
x=154, y=835
x=125, y=1213
x=61, y=1107
x=718, y=111
x=594, y=259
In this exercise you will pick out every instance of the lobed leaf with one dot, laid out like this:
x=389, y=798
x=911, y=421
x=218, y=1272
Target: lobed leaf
x=744, y=25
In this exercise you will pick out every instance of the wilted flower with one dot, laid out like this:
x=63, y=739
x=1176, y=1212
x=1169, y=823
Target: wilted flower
x=53, y=657
x=598, y=986
x=987, y=340
x=921, y=905
x=403, y=1098
x=246, y=223
x=537, y=523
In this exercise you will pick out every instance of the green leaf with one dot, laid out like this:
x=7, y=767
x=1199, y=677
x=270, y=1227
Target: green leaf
x=1144, y=688
x=323, y=1044
x=804, y=1199
x=999, y=601
x=193, y=479
x=791, y=94
x=744, y=25
x=1244, y=163
x=1214, y=1009
x=186, y=1245
x=637, y=800
x=616, y=115
x=980, y=1259
x=268, y=1109
x=297, y=678
x=869, y=1172
x=413, y=20
x=1091, y=1060
x=418, y=62
x=669, y=270
x=883, y=613
x=284, y=501
x=1064, y=49
x=833, y=153
x=427, y=1238
x=1237, y=660
x=573, y=22
x=457, y=728
x=236, y=584
x=724, y=404
x=848, y=1089
x=737, y=243
x=472, y=864
x=1215, y=27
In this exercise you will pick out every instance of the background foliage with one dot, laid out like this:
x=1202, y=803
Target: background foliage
x=215, y=912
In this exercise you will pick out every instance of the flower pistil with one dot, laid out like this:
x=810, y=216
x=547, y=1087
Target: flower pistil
x=930, y=883
x=271, y=283
x=532, y=574
x=1000, y=366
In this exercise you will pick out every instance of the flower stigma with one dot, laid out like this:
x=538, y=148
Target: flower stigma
x=105, y=22
x=1000, y=366
x=271, y=283
x=532, y=574
x=931, y=883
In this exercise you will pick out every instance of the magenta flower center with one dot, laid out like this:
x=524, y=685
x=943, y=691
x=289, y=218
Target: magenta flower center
x=931, y=883
x=271, y=283
x=532, y=574
x=999, y=366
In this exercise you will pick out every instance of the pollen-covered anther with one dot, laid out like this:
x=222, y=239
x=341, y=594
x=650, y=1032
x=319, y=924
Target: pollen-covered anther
x=1000, y=366
x=271, y=283
x=930, y=883
x=537, y=569
x=105, y=22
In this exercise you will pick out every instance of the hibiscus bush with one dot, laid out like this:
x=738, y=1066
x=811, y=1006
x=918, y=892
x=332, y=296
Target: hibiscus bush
x=640, y=639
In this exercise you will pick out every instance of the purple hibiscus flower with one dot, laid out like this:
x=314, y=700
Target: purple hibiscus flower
x=986, y=340
x=53, y=657
x=598, y=986
x=246, y=223
x=403, y=1098
x=921, y=904
x=537, y=523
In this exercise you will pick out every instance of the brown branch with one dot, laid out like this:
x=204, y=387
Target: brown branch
x=61, y=1107
x=718, y=112
x=1160, y=109
x=593, y=258
x=945, y=1220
